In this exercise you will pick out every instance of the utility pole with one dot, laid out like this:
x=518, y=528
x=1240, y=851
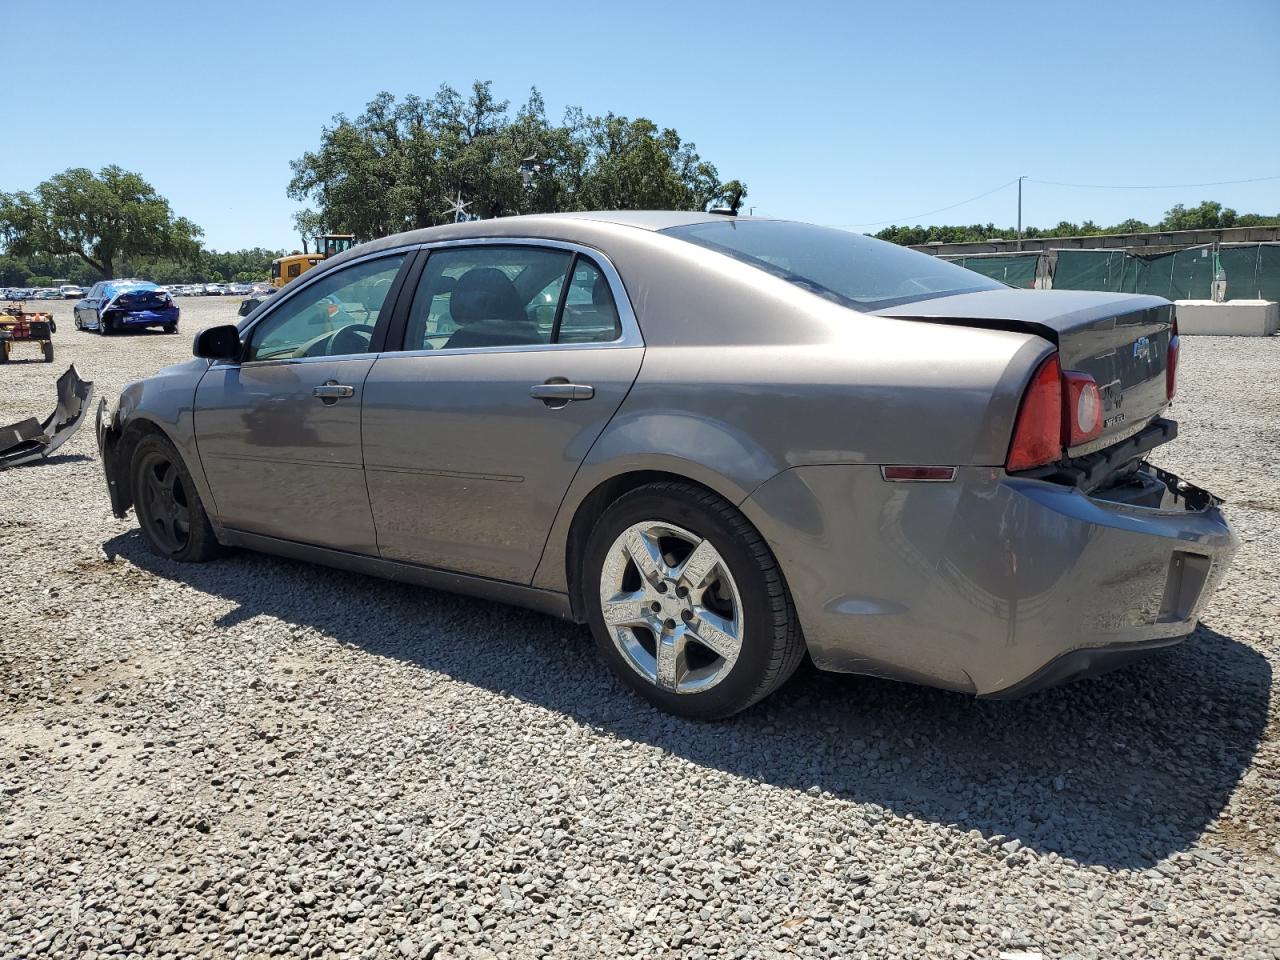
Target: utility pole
x=1020, y=179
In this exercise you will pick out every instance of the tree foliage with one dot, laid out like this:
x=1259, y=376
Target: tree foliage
x=1207, y=215
x=401, y=164
x=97, y=218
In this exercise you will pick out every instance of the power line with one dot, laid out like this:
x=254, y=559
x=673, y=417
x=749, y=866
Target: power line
x=1150, y=186
x=930, y=213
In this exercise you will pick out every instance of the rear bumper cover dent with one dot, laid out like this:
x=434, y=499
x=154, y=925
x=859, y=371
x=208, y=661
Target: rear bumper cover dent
x=993, y=584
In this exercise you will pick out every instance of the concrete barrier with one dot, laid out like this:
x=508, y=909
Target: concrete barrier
x=1235, y=318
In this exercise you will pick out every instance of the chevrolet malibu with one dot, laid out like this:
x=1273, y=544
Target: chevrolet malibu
x=721, y=442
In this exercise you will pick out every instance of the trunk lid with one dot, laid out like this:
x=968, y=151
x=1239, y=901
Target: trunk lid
x=1121, y=340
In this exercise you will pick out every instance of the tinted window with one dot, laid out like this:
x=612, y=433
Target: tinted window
x=590, y=315
x=849, y=268
x=334, y=316
x=486, y=296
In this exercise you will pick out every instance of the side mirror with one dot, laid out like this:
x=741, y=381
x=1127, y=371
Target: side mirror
x=218, y=343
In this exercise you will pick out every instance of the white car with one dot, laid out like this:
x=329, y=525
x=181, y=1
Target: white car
x=213, y=289
x=70, y=291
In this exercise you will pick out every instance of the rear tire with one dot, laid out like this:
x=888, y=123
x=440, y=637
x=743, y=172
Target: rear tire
x=47, y=349
x=173, y=520
x=170, y=328
x=709, y=629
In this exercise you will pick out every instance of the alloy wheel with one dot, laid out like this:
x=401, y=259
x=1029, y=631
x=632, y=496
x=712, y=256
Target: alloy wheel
x=671, y=607
x=165, y=511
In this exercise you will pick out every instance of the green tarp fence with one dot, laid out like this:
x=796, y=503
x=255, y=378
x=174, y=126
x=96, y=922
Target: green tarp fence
x=1018, y=270
x=1252, y=271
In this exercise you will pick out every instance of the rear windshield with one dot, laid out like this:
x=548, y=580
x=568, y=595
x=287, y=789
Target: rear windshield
x=850, y=268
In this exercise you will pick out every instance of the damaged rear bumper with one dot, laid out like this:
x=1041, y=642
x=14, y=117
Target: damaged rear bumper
x=30, y=440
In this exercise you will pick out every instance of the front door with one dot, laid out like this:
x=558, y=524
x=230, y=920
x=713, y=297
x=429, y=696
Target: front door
x=473, y=433
x=279, y=432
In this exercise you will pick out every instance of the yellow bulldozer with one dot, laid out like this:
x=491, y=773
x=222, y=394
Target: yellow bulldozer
x=284, y=269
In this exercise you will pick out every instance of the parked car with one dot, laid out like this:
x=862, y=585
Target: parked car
x=69, y=291
x=772, y=438
x=112, y=306
x=213, y=290
x=48, y=293
x=237, y=289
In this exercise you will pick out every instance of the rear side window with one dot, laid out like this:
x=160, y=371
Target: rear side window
x=497, y=296
x=590, y=315
x=849, y=268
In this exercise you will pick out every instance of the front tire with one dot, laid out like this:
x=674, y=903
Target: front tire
x=173, y=520
x=687, y=603
x=47, y=349
x=170, y=328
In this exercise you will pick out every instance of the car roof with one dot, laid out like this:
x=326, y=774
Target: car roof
x=581, y=227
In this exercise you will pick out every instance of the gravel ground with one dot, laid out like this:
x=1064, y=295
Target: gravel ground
x=258, y=757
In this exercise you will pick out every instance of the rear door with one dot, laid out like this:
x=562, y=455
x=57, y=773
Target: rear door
x=279, y=432
x=473, y=432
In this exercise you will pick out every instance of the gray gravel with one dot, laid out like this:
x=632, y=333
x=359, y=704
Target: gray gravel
x=257, y=757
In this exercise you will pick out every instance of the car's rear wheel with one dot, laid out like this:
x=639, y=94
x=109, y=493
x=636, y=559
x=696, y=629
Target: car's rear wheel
x=687, y=603
x=106, y=325
x=47, y=349
x=173, y=521
x=170, y=328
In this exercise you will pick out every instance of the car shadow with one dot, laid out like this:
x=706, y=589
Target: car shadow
x=1120, y=770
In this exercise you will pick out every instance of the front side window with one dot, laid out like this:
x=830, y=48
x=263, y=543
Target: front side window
x=849, y=268
x=294, y=269
x=335, y=316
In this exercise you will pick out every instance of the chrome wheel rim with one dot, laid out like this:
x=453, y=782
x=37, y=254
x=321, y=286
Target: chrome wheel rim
x=163, y=502
x=671, y=607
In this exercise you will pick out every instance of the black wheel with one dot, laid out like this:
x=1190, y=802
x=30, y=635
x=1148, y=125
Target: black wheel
x=687, y=603
x=170, y=328
x=47, y=349
x=79, y=325
x=4, y=352
x=106, y=326
x=53, y=325
x=173, y=520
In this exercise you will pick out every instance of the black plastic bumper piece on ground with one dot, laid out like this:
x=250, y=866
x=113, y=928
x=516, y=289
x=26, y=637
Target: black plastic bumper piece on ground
x=1078, y=664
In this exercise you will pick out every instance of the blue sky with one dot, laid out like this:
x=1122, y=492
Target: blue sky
x=838, y=113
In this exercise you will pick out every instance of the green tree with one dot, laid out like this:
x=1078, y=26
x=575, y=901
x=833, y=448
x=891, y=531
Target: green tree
x=97, y=218
x=1209, y=215
x=402, y=164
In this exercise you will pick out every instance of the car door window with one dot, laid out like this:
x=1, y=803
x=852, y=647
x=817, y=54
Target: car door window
x=590, y=314
x=335, y=316
x=487, y=296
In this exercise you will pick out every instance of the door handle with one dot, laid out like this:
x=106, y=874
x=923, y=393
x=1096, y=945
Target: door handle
x=561, y=391
x=332, y=392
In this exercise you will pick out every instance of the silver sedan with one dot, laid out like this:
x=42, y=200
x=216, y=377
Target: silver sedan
x=724, y=443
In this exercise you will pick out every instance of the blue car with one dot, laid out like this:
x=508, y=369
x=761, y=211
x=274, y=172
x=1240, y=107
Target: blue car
x=115, y=305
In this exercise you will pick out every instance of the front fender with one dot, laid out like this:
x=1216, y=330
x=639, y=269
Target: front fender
x=163, y=403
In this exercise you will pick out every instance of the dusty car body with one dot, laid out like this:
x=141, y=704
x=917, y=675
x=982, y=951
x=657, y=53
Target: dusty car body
x=112, y=306
x=761, y=438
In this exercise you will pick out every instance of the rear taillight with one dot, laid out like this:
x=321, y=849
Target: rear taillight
x=1082, y=407
x=1037, y=436
x=1060, y=409
x=1171, y=361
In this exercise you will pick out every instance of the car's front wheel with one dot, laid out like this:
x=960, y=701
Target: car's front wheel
x=687, y=603
x=173, y=520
